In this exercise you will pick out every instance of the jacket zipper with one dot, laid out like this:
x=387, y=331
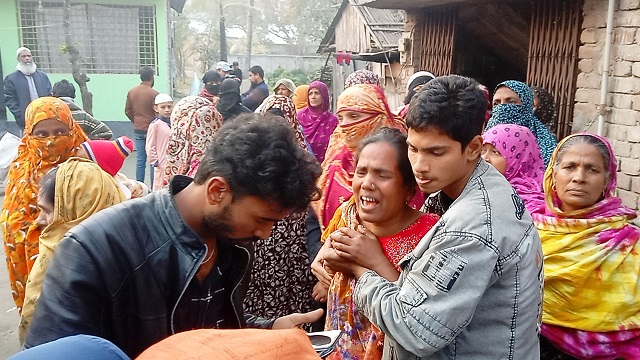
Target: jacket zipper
x=191, y=275
x=233, y=304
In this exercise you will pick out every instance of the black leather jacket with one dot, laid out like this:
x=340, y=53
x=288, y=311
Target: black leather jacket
x=120, y=274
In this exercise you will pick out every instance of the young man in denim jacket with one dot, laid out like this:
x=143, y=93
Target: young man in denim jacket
x=472, y=288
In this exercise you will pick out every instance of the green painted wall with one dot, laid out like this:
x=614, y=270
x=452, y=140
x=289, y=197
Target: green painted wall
x=109, y=90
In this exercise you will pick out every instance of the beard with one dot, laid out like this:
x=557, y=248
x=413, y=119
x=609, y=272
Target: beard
x=27, y=68
x=221, y=226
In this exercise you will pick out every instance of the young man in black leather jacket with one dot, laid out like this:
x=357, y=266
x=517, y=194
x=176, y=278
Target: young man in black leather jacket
x=179, y=259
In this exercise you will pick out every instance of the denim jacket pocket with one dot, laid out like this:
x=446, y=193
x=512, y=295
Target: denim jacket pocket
x=411, y=293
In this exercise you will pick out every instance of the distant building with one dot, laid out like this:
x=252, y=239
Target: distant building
x=115, y=38
x=370, y=36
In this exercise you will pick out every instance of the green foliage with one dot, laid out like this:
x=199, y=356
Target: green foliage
x=299, y=77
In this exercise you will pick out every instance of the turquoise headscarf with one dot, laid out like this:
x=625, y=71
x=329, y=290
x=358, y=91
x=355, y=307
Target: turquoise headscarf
x=523, y=115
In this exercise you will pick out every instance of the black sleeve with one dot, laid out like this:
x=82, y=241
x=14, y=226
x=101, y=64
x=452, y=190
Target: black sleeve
x=72, y=301
x=11, y=100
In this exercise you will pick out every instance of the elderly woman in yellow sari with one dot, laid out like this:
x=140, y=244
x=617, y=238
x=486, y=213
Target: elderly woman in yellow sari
x=51, y=136
x=591, y=306
x=81, y=189
x=362, y=109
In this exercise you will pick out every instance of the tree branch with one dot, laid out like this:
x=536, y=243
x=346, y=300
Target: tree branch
x=70, y=48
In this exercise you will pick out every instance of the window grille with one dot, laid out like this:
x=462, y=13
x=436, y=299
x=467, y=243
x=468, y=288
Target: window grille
x=111, y=39
x=553, y=55
x=438, y=32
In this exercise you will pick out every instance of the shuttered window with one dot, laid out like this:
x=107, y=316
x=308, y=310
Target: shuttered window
x=437, y=34
x=553, y=54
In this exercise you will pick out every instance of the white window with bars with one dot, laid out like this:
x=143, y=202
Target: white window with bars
x=111, y=39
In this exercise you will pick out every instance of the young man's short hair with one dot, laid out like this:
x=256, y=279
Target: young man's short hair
x=63, y=88
x=146, y=73
x=259, y=156
x=454, y=105
x=257, y=70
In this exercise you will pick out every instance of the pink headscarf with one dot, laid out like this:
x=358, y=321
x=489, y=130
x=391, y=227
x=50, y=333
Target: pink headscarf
x=318, y=123
x=525, y=168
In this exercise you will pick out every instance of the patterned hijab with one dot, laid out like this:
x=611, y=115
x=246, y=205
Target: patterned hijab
x=339, y=163
x=82, y=189
x=363, y=76
x=318, y=123
x=590, y=254
x=525, y=168
x=300, y=97
x=35, y=157
x=194, y=120
x=546, y=109
x=288, y=109
x=523, y=115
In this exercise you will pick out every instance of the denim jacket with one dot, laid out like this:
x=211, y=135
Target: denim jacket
x=472, y=288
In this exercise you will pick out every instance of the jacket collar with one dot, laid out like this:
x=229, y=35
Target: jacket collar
x=172, y=220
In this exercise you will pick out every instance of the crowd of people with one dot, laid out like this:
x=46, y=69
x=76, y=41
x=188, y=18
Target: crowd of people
x=453, y=227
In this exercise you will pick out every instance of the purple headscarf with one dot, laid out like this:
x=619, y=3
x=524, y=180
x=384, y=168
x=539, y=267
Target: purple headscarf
x=525, y=167
x=318, y=123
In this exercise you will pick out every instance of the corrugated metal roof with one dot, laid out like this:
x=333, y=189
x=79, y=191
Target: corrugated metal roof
x=413, y=4
x=386, y=24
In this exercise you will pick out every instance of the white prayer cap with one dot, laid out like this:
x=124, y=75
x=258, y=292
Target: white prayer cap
x=21, y=49
x=163, y=98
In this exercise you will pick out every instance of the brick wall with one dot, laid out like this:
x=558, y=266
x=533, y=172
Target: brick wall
x=622, y=126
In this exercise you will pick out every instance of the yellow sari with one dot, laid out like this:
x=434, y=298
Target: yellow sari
x=19, y=211
x=82, y=189
x=591, y=305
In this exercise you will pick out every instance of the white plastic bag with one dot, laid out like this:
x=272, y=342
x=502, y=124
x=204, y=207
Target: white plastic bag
x=8, y=149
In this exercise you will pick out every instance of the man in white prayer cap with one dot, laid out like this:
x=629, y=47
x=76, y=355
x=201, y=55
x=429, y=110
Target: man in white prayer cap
x=27, y=83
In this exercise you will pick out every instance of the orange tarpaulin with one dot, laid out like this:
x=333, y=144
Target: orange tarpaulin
x=253, y=344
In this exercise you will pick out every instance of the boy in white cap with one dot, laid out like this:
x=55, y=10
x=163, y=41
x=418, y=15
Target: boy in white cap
x=158, y=136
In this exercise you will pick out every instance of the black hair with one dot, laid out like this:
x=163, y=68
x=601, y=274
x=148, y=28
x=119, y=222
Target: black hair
x=398, y=141
x=259, y=156
x=276, y=111
x=454, y=105
x=63, y=88
x=211, y=76
x=146, y=73
x=48, y=186
x=257, y=70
